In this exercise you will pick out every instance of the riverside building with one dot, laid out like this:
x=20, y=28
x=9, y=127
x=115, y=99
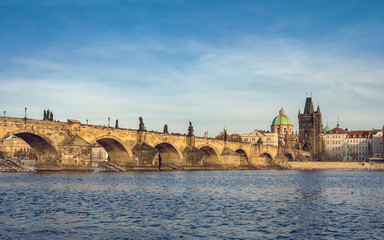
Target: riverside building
x=334, y=143
x=358, y=146
x=378, y=151
x=15, y=147
x=266, y=138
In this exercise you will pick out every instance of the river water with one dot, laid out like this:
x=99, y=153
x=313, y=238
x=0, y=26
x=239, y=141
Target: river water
x=193, y=205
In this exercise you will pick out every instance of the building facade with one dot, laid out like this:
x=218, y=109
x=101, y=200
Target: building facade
x=14, y=147
x=358, y=146
x=334, y=143
x=310, y=129
x=266, y=138
x=378, y=151
x=98, y=153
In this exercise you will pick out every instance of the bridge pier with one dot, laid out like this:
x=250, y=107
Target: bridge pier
x=229, y=157
x=193, y=157
x=69, y=158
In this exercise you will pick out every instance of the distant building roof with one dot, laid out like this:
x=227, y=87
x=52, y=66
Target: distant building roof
x=336, y=130
x=360, y=134
x=221, y=136
x=13, y=138
x=255, y=133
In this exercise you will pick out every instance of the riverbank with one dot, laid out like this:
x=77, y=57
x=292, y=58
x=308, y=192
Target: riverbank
x=335, y=166
x=290, y=165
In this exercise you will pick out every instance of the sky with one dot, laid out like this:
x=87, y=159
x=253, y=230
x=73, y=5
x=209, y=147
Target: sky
x=216, y=63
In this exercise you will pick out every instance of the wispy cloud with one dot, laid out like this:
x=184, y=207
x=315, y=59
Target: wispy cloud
x=241, y=86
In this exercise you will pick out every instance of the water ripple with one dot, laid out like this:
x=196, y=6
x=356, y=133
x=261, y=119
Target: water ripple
x=193, y=205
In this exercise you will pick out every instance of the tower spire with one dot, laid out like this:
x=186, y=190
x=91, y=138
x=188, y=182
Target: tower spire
x=308, y=106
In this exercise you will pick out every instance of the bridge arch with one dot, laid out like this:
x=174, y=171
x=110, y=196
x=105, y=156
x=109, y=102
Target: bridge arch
x=41, y=145
x=307, y=147
x=267, y=156
x=211, y=157
x=168, y=153
x=243, y=157
x=117, y=152
x=289, y=156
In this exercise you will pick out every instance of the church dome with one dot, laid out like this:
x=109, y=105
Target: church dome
x=281, y=119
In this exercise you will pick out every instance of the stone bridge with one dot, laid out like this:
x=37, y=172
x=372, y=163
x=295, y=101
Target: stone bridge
x=67, y=146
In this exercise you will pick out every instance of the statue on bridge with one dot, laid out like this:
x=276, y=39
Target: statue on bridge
x=141, y=125
x=190, y=129
x=166, y=129
x=117, y=123
x=48, y=115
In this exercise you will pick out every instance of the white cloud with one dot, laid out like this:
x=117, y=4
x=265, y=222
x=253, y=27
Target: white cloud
x=241, y=86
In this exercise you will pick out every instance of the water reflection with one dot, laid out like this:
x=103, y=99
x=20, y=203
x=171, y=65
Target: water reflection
x=310, y=186
x=192, y=205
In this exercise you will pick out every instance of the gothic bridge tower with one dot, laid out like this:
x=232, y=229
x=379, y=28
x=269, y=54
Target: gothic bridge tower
x=310, y=126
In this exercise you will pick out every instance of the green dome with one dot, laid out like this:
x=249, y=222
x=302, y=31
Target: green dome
x=282, y=119
x=326, y=129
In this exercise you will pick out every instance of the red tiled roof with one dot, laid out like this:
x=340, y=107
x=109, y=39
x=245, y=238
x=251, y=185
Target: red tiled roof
x=336, y=130
x=360, y=134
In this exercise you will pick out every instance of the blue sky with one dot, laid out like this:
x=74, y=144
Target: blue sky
x=215, y=63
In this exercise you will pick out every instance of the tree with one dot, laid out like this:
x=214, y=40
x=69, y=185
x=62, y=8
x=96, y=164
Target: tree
x=235, y=137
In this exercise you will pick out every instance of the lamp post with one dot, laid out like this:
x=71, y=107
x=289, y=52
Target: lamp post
x=25, y=113
x=87, y=121
x=4, y=113
x=109, y=121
